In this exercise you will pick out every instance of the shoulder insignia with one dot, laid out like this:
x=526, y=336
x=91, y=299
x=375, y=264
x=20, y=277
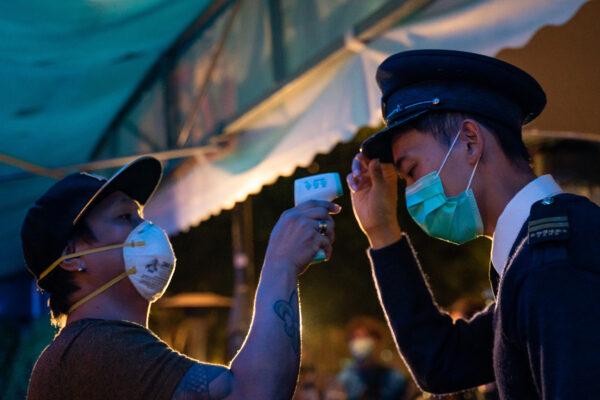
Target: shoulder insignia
x=547, y=222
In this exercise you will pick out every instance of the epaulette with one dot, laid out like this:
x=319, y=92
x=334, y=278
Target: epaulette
x=548, y=222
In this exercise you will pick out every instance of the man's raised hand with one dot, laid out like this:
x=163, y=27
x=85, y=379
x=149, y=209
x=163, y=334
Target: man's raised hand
x=374, y=191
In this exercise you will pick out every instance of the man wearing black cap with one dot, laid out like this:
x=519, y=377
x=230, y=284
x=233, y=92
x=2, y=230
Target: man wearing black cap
x=454, y=135
x=88, y=245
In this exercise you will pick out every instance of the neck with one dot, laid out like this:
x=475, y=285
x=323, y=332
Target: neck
x=504, y=188
x=116, y=303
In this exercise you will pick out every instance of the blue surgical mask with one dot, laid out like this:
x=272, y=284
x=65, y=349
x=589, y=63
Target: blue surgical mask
x=454, y=219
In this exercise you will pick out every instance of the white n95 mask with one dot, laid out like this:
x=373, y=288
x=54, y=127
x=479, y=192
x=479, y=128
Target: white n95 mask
x=149, y=263
x=154, y=262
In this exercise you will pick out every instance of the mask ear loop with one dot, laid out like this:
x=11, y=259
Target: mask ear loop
x=472, y=174
x=448, y=153
x=114, y=280
x=102, y=288
x=86, y=252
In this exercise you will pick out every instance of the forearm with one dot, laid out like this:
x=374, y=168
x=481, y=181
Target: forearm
x=442, y=355
x=266, y=366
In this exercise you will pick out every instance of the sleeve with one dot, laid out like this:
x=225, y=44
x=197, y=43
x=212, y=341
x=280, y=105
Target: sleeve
x=558, y=324
x=443, y=356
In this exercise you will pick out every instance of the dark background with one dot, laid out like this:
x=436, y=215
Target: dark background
x=335, y=291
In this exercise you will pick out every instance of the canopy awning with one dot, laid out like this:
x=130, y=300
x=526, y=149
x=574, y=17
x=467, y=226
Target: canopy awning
x=329, y=103
x=71, y=75
x=66, y=68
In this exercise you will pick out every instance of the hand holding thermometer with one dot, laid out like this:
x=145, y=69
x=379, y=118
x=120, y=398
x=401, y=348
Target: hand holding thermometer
x=318, y=187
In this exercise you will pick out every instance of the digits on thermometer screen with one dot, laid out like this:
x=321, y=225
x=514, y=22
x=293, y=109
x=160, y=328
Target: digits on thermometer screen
x=318, y=187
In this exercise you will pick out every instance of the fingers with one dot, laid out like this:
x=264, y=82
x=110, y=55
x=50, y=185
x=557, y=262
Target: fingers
x=382, y=174
x=330, y=228
x=300, y=233
x=312, y=218
x=359, y=176
x=331, y=208
x=352, y=182
x=359, y=164
x=320, y=223
x=317, y=213
x=324, y=243
x=335, y=209
x=375, y=171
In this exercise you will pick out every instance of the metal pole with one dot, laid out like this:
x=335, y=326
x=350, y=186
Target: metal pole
x=190, y=121
x=243, y=275
x=29, y=167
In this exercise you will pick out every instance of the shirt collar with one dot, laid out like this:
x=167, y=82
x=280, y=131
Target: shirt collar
x=514, y=216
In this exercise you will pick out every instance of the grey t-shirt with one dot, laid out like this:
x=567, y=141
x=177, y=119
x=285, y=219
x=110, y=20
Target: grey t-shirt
x=103, y=359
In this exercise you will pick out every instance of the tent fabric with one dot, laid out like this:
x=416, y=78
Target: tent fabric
x=66, y=68
x=245, y=55
x=328, y=107
x=70, y=67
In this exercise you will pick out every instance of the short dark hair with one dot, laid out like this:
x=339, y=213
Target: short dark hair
x=445, y=125
x=60, y=284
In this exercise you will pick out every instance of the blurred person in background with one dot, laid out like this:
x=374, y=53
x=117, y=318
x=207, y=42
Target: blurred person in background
x=366, y=377
x=335, y=391
x=88, y=245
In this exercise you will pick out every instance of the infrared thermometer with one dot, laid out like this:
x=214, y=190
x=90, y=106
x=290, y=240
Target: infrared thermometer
x=326, y=187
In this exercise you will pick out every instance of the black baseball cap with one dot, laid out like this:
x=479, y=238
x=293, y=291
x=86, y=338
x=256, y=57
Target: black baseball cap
x=49, y=223
x=414, y=83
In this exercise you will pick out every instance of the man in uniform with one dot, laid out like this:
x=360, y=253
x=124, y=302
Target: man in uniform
x=88, y=245
x=454, y=135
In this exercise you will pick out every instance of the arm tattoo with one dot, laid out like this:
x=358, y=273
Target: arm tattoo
x=195, y=383
x=286, y=311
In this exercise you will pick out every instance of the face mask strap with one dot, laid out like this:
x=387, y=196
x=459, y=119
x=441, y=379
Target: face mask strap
x=102, y=288
x=448, y=153
x=86, y=252
x=473, y=174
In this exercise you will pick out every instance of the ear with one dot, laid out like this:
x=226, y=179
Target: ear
x=473, y=137
x=72, y=264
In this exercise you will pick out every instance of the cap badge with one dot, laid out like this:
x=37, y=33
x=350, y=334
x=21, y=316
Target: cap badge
x=390, y=117
x=98, y=177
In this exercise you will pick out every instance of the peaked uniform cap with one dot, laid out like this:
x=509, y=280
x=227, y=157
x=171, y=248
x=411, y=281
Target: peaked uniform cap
x=414, y=83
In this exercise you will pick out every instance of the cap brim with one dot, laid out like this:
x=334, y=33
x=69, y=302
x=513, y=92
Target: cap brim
x=379, y=145
x=138, y=179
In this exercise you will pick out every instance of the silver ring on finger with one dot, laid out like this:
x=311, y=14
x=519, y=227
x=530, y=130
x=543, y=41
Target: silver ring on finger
x=322, y=227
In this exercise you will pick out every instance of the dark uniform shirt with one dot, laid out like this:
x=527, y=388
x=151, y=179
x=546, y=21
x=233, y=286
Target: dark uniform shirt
x=539, y=340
